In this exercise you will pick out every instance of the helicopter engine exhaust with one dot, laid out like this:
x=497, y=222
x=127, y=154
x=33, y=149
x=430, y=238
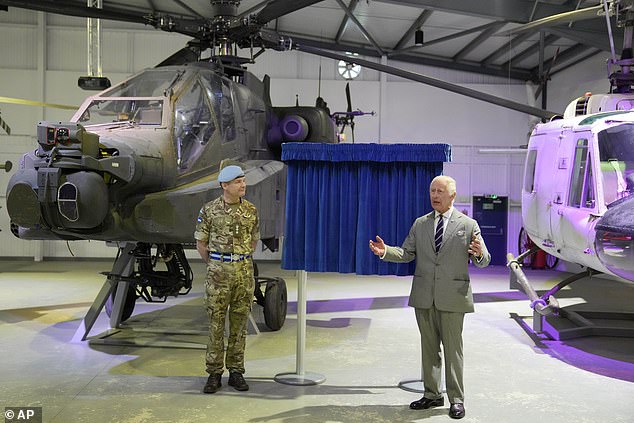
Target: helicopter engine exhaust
x=300, y=124
x=294, y=128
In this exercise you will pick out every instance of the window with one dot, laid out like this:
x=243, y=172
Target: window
x=529, y=172
x=616, y=153
x=582, y=182
x=193, y=125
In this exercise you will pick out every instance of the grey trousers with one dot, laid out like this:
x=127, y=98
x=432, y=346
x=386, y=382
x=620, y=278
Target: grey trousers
x=444, y=327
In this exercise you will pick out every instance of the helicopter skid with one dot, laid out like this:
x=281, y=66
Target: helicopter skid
x=570, y=324
x=561, y=323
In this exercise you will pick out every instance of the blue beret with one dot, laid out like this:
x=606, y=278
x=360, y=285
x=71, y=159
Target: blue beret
x=230, y=173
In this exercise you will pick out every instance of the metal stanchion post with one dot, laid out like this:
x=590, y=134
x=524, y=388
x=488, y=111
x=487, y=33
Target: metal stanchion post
x=300, y=377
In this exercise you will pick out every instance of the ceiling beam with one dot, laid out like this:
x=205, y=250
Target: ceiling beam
x=529, y=51
x=518, y=11
x=591, y=39
x=592, y=52
x=253, y=9
x=443, y=39
x=482, y=37
x=189, y=9
x=425, y=14
x=365, y=33
x=564, y=56
x=506, y=48
x=344, y=21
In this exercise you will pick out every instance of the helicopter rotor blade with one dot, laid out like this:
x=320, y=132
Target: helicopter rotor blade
x=73, y=9
x=572, y=16
x=348, y=97
x=350, y=115
x=278, y=8
x=11, y=100
x=431, y=81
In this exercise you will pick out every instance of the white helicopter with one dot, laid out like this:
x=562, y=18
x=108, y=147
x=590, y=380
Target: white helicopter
x=578, y=189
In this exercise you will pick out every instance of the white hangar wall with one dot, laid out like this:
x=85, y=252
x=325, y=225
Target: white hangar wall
x=41, y=57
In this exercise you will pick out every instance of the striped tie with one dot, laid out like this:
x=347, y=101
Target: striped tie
x=438, y=236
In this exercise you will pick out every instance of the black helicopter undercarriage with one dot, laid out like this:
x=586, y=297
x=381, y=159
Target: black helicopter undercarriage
x=135, y=275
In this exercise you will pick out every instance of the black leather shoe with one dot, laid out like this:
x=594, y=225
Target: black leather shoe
x=237, y=381
x=213, y=384
x=456, y=411
x=425, y=403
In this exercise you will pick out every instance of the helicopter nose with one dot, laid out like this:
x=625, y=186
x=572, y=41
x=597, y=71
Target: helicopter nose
x=22, y=202
x=615, y=238
x=78, y=200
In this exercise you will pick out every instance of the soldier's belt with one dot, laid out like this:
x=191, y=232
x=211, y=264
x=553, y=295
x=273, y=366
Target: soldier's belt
x=228, y=256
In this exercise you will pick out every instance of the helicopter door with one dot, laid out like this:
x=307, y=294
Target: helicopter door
x=194, y=128
x=569, y=220
x=537, y=197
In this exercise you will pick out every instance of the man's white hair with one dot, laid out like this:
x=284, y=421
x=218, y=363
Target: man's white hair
x=448, y=181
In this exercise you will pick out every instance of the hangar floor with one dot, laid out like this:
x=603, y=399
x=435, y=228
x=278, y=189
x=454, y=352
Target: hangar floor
x=360, y=335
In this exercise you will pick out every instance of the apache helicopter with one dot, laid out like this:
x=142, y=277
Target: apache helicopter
x=136, y=162
x=578, y=187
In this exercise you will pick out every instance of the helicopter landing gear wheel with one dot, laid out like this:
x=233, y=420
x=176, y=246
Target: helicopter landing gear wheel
x=551, y=261
x=524, y=243
x=128, y=303
x=275, y=303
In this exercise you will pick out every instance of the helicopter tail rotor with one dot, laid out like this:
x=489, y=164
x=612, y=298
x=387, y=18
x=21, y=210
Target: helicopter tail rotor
x=351, y=122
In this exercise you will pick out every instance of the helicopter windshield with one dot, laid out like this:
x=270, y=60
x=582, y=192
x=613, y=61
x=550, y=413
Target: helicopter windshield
x=150, y=83
x=136, y=110
x=138, y=100
x=616, y=153
x=194, y=123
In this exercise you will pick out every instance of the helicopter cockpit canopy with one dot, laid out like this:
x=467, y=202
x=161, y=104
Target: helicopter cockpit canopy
x=195, y=103
x=616, y=155
x=138, y=100
x=141, y=111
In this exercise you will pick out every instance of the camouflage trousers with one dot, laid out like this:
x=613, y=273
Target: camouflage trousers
x=228, y=289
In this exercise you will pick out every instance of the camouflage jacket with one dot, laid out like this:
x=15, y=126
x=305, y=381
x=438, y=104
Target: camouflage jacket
x=228, y=228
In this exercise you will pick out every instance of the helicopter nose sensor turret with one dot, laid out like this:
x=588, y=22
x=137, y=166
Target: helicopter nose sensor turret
x=47, y=196
x=614, y=239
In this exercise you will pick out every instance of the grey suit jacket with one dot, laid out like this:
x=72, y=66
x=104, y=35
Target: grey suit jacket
x=441, y=279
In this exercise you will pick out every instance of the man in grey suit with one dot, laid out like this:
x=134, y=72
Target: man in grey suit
x=442, y=242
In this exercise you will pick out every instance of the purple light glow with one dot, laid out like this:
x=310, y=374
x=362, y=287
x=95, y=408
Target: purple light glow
x=571, y=352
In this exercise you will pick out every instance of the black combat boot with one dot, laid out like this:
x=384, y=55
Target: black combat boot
x=213, y=384
x=237, y=381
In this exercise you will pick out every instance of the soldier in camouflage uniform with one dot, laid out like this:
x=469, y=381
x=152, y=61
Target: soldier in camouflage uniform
x=226, y=235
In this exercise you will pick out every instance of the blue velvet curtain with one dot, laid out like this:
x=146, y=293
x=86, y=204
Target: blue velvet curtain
x=339, y=196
